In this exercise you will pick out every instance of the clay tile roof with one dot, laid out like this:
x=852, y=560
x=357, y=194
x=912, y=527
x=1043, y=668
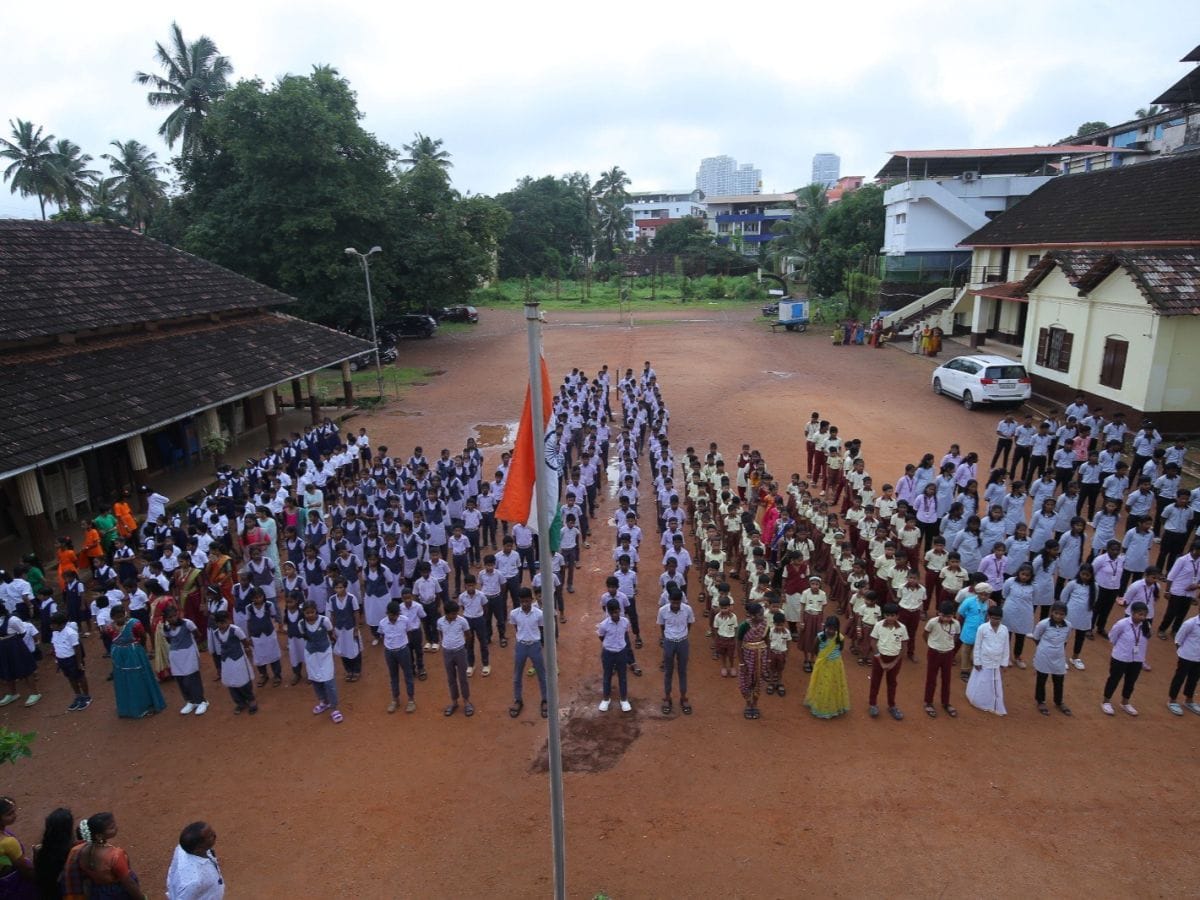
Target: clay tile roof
x=58, y=277
x=1140, y=204
x=65, y=399
x=1169, y=279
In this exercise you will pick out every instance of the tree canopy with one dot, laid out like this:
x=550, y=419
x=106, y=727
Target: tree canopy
x=195, y=76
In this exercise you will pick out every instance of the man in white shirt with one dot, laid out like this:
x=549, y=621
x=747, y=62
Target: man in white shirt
x=195, y=873
x=526, y=621
x=156, y=504
x=675, y=619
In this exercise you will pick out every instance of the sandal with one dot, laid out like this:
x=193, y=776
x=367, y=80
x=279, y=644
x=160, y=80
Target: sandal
x=515, y=709
x=320, y=708
x=503, y=642
x=295, y=680
x=449, y=710
x=637, y=643
x=756, y=712
x=770, y=688
x=1043, y=709
x=336, y=716
x=422, y=675
x=637, y=671
x=1065, y=710
x=667, y=707
x=930, y=711
x=748, y=713
x=468, y=710
x=807, y=666
x=276, y=681
x=780, y=690
x=545, y=710
x=262, y=679
x=950, y=711
x=685, y=707
x=965, y=676
x=895, y=713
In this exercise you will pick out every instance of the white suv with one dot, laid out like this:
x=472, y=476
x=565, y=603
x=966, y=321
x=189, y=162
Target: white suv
x=982, y=379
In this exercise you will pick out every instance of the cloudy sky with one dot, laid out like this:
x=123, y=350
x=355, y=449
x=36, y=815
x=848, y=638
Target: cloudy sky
x=546, y=88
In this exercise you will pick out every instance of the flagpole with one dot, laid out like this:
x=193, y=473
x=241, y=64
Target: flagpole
x=544, y=517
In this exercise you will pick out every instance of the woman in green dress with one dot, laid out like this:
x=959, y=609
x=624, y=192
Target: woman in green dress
x=134, y=681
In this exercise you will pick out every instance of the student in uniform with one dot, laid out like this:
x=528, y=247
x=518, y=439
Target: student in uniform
x=185, y=661
x=413, y=613
x=888, y=639
x=1187, y=669
x=941, y=640
x=345, y=613
x=676, y=620
x=614, y=634
x=1050, y=659
x=262, y=620
x=293, y=615
x=471, y=603
x=397, y=655
x=1130, y=637
x=236, y=673
x=453, y=629
x=318, y=635
x=527, y=621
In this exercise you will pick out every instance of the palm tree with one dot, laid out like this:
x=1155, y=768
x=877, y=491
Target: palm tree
x=611, y=196
x=196, y=76
x=138, y=187
x=71, y=173
x=104, y=200
x=31, y=173
x=424, y=148
x=1146, y=112
x=798, y=240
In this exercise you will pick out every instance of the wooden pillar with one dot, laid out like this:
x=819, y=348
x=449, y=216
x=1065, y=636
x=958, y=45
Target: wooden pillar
x=137, y=461
x=347, y=384
x=271, y=408
x=314, y=404
x=35, y=515
x=297, y=398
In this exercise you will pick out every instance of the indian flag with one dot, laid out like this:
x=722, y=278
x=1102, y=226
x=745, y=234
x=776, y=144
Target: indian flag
x=518, y=504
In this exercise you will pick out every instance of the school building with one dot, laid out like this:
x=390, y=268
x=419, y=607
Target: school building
x=1095, y=280
x=121, y=357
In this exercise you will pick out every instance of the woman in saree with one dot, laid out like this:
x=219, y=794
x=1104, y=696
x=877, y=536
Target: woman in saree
x=828, y=693
x=134, y=680
x=160, y=650
x=752, y=652
x=16, y=871
x=218, y=573
x=188, y=588
x=95, y=868
x=126, y=523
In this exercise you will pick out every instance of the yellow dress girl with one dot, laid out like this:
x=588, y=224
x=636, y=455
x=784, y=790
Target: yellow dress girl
x=828, y=693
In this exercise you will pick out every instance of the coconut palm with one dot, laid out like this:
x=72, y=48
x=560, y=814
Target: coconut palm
x=612, y=217
x=798, y=239
x=195, y=76
x=73, y=178
x=1145, y=112
x=138, y=187
x=104, y=200
x=31, y=172
x=423, y=148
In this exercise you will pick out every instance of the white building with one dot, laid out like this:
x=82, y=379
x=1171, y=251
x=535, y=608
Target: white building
x=650, y=210
x=722, y=176
x=826, y=169
x=944, y=195
x=747, y=221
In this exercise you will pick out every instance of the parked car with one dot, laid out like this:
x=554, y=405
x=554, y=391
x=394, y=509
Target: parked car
x=982, y=379
x=387, y=355
x=460, y=313
x=416, y=325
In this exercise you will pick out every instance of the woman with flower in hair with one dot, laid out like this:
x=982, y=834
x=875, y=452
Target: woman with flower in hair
x=95, y=868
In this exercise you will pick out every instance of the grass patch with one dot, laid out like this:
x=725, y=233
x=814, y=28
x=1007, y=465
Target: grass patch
x=644, y=294
x=396, y=380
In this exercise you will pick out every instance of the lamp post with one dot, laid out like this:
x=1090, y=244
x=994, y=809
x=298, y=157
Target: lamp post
x=363, y=257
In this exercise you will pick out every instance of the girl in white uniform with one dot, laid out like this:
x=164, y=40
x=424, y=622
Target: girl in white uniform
x=234, y=647
x=262, y=618
x=292, y=616
x=346, y=615
x=318, y=635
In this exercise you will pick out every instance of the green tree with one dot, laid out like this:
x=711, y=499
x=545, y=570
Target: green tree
x=798, y=239
x=1145, y=112
x=31, y=172
x=548, y=228
x=424, y=148
x=1083, y=130
x=104, y=200
x=138, y=186
x=194, y=77
x=684, y=236
x=73, y=179
x=852, y=231
x=612, y=218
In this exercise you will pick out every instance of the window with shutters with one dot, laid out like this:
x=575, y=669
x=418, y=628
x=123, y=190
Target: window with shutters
x=1054, y=349
x=1112, y=367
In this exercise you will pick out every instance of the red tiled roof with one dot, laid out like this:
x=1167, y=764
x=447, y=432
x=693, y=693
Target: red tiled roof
x=1008, y=290
x=986, y=153
x=1169, y=278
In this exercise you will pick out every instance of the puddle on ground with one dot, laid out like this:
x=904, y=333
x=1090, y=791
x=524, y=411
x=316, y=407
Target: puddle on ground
x=780, y=374
x=593, y=741
x=496, y=435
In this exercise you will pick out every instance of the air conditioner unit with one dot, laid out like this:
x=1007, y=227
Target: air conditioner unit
x=970, y=176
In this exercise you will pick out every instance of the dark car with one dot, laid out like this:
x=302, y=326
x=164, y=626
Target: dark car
x=415, y=325
x=460, y=313
x=387, y=355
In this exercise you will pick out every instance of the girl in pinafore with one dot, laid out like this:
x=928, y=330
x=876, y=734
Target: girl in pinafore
x=236, y=673
x=261, y=620
x=346, y=616
x=292, y=616
x=318, y=634
x=377, y=581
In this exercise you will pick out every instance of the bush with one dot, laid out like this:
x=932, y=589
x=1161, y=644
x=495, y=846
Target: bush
x=716, y=290
x=748, y=289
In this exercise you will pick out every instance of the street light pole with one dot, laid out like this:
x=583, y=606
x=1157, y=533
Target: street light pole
x=350, y=251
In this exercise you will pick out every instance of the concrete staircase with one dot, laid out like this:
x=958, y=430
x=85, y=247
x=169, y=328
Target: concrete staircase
x=933, y=308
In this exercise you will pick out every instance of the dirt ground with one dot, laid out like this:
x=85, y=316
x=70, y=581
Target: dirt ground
x=706, y=805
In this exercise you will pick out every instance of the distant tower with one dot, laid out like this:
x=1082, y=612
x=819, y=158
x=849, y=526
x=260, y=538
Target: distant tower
x=826, y=169
x=721, y=176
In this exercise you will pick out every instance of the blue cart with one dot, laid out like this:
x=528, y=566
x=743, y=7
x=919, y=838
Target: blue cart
x=793, y=315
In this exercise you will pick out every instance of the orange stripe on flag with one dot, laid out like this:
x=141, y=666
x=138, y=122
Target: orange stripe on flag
x=518, y=486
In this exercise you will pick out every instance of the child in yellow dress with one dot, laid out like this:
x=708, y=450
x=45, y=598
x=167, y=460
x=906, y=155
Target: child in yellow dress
x=828, y=692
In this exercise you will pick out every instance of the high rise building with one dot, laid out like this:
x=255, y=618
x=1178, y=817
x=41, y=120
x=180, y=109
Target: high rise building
x=721, y=176
x=826, y=169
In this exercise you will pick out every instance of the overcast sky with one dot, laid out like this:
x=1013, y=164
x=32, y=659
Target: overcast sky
x=547, y=88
